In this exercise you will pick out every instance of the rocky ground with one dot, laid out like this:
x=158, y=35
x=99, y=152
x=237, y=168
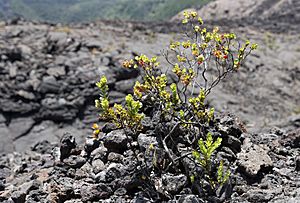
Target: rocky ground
x=47, y=77
x=265, y=168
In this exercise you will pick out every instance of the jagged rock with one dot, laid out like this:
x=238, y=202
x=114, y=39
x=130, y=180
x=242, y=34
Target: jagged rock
x=125, y=86
x=2, y=184
x=262, y=195
x=84, y=171
x=98, y=166
x=18, y=197
x=111, y=173
x=49, y=85
x=91, y=144
x=93, y=44
x=254, y=160
x=99, y=153
x=116, y=140
x=145, y=141
x=95, y=192
x=26, y=95
x=115, y=157
x=56, y=71
x=291, y=139
x=124, y=74
x=74, y=161
x=233, y=143
x=190, y=199
x=56, y=109
x=174, y=183
x=57, y=42
x=297, y=163
x=67, y=144
x=18, y=106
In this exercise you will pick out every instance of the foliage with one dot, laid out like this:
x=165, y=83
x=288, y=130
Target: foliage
x=179, y=111
x=207, y=148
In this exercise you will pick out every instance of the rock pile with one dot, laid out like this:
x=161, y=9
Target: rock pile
x=265, y=168
x=47, y=76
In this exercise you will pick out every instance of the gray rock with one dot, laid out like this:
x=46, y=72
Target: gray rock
x=67, y=144
x=2, y=184
x=18, y=197
x=120, y=192
x=95, y=192
x=49, y=85
x=297, y=163
x=145, y=141
x=115, y=157
x=43, y=147
x=253, y=160
x=125, y=86
x=93, y=44
x=116, y=140
x=111, y=173
x=233, y=143
x=98, y=166
x=74, y=161
x=91, y=144
x=26, y=95
x=190, y=199
x=57, y=109
x=57, y=42
x=84, y=171
x=20, y=107
x=291, y=139
x=257, y=195
x=13, y=71
x=99, y=153
x=123, y=73
x=56, y=71
x=174, y=183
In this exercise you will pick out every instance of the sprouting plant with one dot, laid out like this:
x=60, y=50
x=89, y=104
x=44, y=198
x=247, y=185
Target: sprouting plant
x=126, y=116
x=199, y=63
x=204, y=158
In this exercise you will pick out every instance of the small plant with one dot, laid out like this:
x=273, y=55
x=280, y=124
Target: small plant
x=204, y=158
x=199, y=63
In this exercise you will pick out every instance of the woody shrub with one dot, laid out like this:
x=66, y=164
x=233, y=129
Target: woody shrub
x=182, y=120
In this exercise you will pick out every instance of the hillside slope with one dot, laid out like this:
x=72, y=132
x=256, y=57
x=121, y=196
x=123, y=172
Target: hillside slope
x=273, y=15
x=81, y=10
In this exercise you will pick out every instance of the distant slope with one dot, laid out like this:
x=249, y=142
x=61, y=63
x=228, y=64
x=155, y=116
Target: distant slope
x=272, y=15
x=87, y=10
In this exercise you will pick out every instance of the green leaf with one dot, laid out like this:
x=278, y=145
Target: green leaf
x=202, y=147
x=220, y=173
x=209, y=140
x=214, y=146
x=196, y=155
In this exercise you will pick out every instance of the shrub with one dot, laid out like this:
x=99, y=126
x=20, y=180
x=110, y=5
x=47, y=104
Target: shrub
x=199, y=64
